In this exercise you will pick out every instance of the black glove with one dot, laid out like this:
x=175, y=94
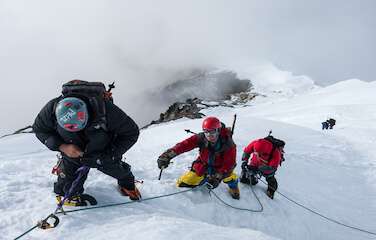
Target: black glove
x=99, y=160
x=245, y=157
x=165, y=158
x=215, y=180
x=245, y=166
x=244, y=177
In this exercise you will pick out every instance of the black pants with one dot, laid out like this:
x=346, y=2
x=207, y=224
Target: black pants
x=118, y=170
x=270, y=179
x=272, y=183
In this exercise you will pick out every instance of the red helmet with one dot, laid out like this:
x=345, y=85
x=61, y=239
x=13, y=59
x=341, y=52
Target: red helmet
x=211, y=123
x=211, y=127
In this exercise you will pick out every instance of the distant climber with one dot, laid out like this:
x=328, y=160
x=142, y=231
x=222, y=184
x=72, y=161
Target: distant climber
x=331, y=123
x=328, y=124
x=325, y=125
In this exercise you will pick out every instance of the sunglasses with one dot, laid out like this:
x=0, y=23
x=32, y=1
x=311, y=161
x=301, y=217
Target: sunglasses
x=211, y=132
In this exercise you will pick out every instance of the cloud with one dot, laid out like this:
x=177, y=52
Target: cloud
x=143, y=44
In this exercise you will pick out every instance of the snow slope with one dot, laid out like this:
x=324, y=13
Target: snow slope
x=332, y=172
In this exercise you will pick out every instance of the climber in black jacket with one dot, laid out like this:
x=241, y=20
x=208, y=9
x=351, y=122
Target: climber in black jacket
x=72, y=126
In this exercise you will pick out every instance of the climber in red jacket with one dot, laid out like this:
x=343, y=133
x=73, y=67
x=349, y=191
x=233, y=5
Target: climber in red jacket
x=216, y=160
x=260, y=157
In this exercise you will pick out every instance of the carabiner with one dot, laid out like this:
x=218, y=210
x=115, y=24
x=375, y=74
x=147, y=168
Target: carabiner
x=44, y=224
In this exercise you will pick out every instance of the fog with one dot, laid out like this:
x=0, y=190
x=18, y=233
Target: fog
x=144, y=45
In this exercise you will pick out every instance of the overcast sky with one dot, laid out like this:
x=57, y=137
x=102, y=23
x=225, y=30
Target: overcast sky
x=142, y=44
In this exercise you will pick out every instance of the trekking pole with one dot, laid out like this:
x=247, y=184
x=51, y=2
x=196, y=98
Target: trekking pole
x=233, y=125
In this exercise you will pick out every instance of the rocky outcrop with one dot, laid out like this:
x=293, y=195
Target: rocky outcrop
x=191, y=107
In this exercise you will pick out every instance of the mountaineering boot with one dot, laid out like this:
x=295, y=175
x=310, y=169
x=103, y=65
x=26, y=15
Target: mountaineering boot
x=73, y=201
x=244, y=177
x=254, y=180
x=270, y=193
x=272, y=186
x=132, y=194
x=234, y=192
x=77, y=201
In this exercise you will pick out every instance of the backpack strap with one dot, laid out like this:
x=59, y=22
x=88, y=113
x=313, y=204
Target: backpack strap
x=202, y=142
x=271, y=153
x=226, y=142
x=270, y=138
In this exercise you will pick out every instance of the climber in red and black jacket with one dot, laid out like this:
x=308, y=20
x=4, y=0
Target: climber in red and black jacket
x=260, y=157
x=215, y=162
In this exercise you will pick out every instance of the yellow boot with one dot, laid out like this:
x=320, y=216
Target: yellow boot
x=232, y=182
x=189, y=179
x=234, y=192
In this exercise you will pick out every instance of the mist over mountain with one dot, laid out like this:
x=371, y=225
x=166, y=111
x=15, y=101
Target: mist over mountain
x=145, y=45
x=195, y=83
x=205, y=85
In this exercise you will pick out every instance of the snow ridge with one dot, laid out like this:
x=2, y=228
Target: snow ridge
x=332, y=172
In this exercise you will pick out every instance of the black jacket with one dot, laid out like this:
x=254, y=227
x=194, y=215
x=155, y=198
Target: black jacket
x=107, y=145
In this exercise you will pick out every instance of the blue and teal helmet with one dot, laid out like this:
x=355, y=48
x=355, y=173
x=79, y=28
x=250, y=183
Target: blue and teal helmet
x=71, y=114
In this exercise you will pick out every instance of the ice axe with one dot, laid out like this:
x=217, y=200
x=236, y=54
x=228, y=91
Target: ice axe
x=160, y=173
x=270, y=132
x=189, y=131
x=111, y=86
x=108, y=93
x=233, y=125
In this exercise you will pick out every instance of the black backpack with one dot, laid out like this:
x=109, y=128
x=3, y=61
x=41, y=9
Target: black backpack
x=93, y=92
x=277, y=143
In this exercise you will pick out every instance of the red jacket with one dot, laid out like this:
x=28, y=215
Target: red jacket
x=225, y=157
x=264, y=148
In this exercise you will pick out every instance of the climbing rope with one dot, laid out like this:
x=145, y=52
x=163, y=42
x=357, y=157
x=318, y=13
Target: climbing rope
x=321, y=215
x=130, y=202
x=211, y=191
x=23, y=234
x=45, y=225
